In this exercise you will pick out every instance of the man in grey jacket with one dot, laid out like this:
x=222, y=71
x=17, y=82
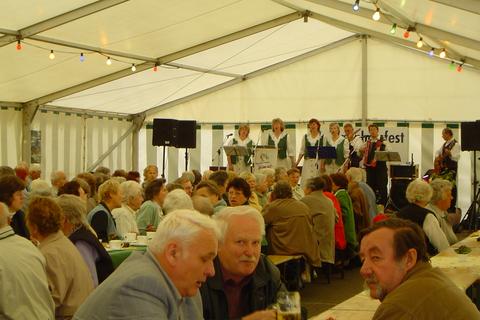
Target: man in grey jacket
x=163, y=282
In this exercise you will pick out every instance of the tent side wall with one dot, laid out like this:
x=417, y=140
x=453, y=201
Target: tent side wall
x=65, y=141
x=10, y=136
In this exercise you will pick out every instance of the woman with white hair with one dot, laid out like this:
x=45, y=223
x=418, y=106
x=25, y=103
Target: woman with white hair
x=177, y=199
x=440, y=203
x=419, y=193
x=39, y=187
x=125, y=215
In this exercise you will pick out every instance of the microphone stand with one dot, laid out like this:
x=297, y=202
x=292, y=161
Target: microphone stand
x=254, y=149
x=219, y=150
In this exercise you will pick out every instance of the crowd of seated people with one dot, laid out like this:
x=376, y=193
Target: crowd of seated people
x=251, y=214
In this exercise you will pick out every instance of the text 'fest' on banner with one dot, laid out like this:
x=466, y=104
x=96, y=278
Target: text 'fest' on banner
x=395, y=137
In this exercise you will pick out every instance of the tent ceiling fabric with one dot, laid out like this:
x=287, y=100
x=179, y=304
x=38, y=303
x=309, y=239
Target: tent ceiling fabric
x=16, y=15
x=145, y=30
x=157, y=28
x=146, y=89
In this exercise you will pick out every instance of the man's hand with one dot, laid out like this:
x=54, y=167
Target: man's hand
x=262, y=315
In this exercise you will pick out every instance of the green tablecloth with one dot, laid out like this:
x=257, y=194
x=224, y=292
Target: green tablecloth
x=119, y=255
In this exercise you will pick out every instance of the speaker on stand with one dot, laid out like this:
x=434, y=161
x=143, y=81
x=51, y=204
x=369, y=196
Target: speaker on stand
x=187, y=137
x=470, y=131
x=164, y=134
x=401, y=176
x=174, y=133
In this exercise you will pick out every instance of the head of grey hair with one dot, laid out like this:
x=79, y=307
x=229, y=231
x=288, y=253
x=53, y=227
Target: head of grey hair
x=439, y=187
x=224, y=216
x=182, y=226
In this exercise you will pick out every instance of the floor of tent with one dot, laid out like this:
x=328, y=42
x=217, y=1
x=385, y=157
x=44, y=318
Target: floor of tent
x=319, y=295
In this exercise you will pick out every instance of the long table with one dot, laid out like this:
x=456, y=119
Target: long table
x=119, y=255
x=462, y=269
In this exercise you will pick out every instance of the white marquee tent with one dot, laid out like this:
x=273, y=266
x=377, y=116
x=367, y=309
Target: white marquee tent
x=226, y=62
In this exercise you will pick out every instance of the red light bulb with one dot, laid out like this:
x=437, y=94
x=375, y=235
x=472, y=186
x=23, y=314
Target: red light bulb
x=459, y=68
x=406, y=34
x=19, y=45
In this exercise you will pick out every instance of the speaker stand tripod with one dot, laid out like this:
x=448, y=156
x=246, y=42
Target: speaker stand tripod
x=470, y=220
x=186, y=159
x=163, y=163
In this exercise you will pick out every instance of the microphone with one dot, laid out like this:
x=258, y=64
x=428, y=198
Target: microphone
x=229, y=135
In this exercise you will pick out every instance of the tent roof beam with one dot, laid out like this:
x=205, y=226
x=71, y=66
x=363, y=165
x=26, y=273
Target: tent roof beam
x=58, y=20
x=168, y=58
x=434, y=33
x=472, y=6
x=254, y=74
x=379, y=35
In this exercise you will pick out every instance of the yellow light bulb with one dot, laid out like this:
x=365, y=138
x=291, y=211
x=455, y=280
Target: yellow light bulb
x=420, y=43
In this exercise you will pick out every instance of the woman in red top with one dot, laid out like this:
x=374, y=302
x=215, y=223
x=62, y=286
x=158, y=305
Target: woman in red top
x=340, y=242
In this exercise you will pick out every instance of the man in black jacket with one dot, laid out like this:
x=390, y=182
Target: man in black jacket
x=245, y=282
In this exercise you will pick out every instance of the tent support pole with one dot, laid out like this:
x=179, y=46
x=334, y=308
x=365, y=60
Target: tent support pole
x=138, y=121
x=28, y=113
x=364, y=81
x=111, y=148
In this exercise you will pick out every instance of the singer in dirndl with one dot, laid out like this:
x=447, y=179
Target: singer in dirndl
x=241, y=164
x=280, y=139
x=341, y=147
x=311, y=166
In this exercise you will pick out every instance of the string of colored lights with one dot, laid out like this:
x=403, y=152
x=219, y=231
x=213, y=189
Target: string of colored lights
x=455, y=65
x=82, y=55
x=458, y=65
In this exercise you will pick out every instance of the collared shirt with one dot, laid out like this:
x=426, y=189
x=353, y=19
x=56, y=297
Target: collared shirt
x=297, y=192
x=22, y=272
x=237, y=307
x=125, y=220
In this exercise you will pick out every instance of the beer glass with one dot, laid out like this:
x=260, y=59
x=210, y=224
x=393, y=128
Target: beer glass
x=288, y=306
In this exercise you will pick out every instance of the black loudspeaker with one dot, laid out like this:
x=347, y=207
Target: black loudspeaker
x=403, y=171
x=164, y=132
x=397, y=192
x=174, y=133
x=470, y=131
x=186, y=134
